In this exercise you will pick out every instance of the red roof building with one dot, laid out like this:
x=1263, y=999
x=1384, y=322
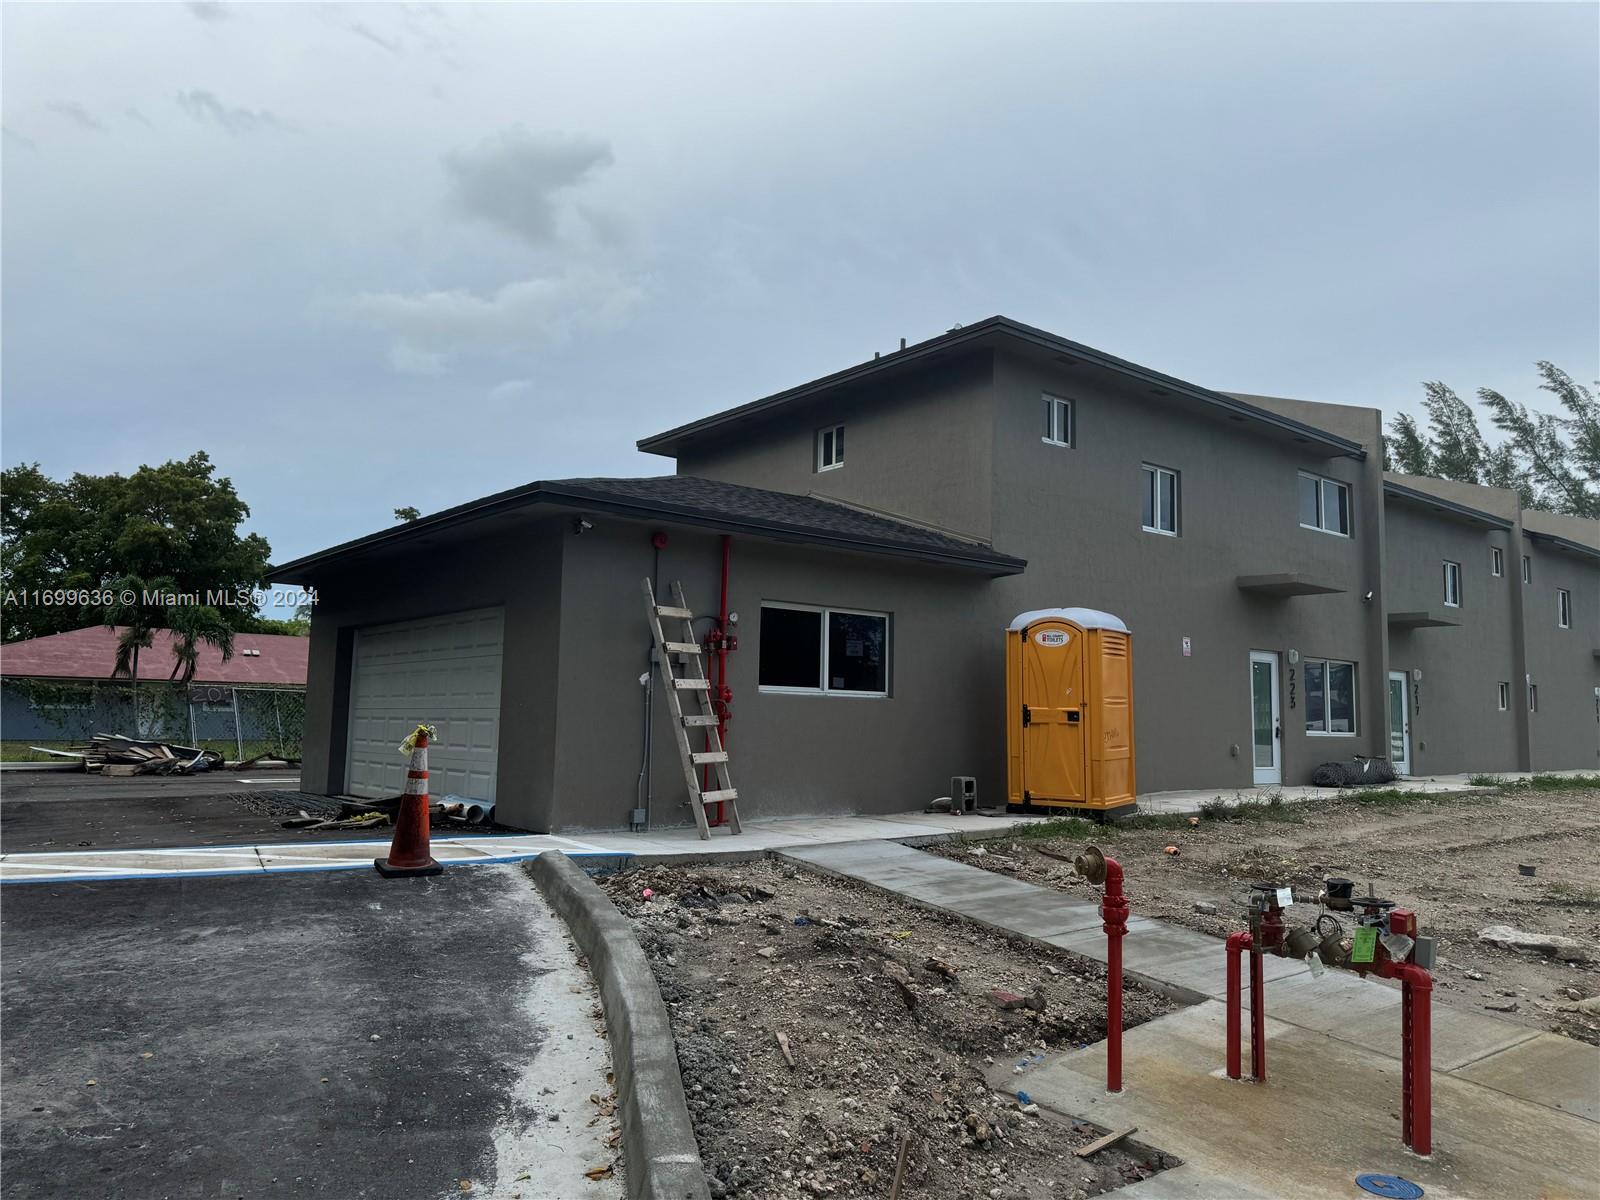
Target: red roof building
x=259, y=659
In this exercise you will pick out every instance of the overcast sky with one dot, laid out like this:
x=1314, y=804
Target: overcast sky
x=373, y=255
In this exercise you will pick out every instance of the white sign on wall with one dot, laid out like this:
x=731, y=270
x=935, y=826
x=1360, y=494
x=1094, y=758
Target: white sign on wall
x=1186, y=647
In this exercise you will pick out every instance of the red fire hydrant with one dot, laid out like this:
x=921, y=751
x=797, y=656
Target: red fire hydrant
x=1098, y=869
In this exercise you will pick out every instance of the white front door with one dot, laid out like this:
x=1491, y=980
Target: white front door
x=1266, y=724
x=1399, y=723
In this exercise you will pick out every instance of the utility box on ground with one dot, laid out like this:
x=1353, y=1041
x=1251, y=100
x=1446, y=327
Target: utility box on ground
x=1069, y=711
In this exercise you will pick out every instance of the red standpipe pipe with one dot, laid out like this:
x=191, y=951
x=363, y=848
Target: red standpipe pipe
x=1416, y=1053
x=1114, y=914
x=720, y=691
x=1238, y=945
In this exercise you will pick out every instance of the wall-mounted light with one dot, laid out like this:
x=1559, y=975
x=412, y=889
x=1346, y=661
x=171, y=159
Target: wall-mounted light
x=1367, y=599
x=1294, y=657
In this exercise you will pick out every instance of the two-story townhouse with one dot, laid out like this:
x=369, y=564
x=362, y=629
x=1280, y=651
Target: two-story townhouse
x=1240, y=542
x=864, y=539
x=1494, y=630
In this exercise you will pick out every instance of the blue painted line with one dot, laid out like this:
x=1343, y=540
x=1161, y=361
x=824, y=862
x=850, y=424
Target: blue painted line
x=511, y=837
x=297, y=870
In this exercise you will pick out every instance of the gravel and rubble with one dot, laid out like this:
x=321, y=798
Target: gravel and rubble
x=1457, y=859
x=891, y=1015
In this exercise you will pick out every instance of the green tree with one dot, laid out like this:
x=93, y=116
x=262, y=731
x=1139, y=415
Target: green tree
x=1559, y=454
x=408, y=513
x=1551, y=460
x=177, y=523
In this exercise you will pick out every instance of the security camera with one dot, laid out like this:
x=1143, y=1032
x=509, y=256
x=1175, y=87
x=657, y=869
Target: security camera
x=1367, y=598
x=581, y=524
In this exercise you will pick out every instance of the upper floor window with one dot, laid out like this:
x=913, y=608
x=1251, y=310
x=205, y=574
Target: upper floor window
x=1452, y=584
x=1330, y=696
x=1160, y=503
x=1505, y=696
x=823, y=650
x=830, y=447
x=1497, y=562
x=1324, y=504
x=1533, y=697
x=1058, y=429
x=1563, y=608
x=1527, y=569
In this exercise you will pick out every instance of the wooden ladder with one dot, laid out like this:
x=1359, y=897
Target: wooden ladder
x=687, y=654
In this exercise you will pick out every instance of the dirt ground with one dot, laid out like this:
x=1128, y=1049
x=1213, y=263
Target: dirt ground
x=888, y=1013
x=1454, y=859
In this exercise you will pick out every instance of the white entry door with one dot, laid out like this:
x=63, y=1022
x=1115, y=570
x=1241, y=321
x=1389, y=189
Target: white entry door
x=1266, y=723
x=1399, y=723
x=444, y=671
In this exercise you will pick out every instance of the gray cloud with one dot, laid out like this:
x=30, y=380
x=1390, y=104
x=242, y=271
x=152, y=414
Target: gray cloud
x=204, y=107
x=366, y=31
x=511, y=181
x=77, y=114
x=429, y=329
x=15, y=140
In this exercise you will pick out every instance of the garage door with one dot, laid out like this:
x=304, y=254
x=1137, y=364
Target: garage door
x=444, y=671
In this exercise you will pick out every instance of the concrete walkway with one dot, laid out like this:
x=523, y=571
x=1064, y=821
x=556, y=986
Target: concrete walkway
x=1513, y=1105
x=664, y=845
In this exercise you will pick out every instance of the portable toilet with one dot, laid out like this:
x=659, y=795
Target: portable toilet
x=1069, y=710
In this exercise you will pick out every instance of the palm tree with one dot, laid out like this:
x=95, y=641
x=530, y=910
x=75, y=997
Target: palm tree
x=191, y=625
x=137, y=622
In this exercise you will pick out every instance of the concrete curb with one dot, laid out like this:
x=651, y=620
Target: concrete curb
x=663, y=1160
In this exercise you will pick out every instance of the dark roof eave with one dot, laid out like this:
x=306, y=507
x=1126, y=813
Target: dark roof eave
x=1475, y=515
x=667, y=443
x=297, y=570
x=1561, y=543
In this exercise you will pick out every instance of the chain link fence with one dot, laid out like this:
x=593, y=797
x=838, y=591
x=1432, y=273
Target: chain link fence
x=238, y=723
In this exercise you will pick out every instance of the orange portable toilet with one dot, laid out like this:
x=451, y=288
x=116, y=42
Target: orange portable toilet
x=1069, y=711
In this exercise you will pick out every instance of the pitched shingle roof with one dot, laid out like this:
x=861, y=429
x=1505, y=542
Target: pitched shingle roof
x=730, y=507
x=91, y=653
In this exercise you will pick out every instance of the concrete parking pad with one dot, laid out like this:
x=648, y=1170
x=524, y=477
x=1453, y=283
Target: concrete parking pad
x=1328, y=1112
x=335, y=1035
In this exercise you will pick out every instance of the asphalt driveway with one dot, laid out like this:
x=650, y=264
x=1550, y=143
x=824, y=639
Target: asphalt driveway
x=324, y=1034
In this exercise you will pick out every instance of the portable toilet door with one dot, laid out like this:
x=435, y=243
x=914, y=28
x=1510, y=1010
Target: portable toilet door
x=1054, y=672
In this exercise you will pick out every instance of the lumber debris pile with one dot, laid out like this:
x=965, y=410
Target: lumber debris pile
x=114, y=754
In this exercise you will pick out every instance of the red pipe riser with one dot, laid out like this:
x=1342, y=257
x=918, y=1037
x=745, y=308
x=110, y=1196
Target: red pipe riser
x=1238, y=945
x=720, y=691
x=1114, y=920
x=1258, y=1018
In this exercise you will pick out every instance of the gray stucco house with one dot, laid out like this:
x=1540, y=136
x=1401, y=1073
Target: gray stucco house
x=1289, y=603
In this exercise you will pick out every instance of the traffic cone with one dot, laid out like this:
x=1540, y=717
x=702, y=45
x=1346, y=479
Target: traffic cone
x=408, y=851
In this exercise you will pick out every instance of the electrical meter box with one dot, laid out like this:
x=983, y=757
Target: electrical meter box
x=1069, y=711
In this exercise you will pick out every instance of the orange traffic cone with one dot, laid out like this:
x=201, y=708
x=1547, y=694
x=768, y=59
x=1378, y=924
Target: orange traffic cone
x=408, y=851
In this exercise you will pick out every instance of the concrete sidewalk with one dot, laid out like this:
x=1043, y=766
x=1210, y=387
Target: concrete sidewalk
x=665, y=846
x=246, y=857
x=1340, y=1038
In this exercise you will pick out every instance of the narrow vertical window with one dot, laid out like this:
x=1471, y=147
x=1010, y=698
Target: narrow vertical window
x=1527, y=569
x=1058, y=429
x=1563, y=608
x=1533, y=697
x=1452, y=584
x=830, y=448
x=1505, y=696
x=1497, y=562
x=1159, y=500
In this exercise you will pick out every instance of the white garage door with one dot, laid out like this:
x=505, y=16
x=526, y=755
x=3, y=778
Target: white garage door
x=445, y=672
